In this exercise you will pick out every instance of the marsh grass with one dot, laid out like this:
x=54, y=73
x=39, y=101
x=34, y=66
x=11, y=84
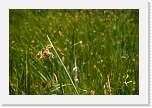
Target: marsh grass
x=95, y=52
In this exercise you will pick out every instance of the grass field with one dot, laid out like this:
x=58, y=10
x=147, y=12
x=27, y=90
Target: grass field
x=71, y=52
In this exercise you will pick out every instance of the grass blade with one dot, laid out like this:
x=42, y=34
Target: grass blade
x=63, y=66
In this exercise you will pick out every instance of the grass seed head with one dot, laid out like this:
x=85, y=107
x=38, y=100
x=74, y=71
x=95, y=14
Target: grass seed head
x=45, y=53
x=40, y=55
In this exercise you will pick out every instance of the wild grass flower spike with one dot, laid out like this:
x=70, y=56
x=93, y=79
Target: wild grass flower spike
x=45, y=53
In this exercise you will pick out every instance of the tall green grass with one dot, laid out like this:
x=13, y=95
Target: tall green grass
x=102, y=44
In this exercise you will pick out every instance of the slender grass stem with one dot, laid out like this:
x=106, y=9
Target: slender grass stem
x=26, y=75
x=63, y=66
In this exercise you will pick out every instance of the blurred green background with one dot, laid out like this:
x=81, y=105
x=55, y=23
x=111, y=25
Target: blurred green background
x=104, y=45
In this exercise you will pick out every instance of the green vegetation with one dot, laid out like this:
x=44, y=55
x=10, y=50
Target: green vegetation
x=70, y=52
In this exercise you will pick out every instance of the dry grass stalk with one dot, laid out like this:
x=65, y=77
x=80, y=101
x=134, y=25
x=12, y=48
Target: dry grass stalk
x=107, y=86
x=75, y=70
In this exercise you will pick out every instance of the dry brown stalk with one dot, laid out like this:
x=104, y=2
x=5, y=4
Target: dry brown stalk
x=107, y=86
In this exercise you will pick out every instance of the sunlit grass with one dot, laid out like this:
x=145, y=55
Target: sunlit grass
x=69, y=52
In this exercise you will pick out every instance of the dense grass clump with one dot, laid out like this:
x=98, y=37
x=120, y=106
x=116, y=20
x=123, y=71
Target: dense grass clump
x=68, y=52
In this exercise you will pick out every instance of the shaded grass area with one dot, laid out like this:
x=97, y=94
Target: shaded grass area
x=103, y=45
